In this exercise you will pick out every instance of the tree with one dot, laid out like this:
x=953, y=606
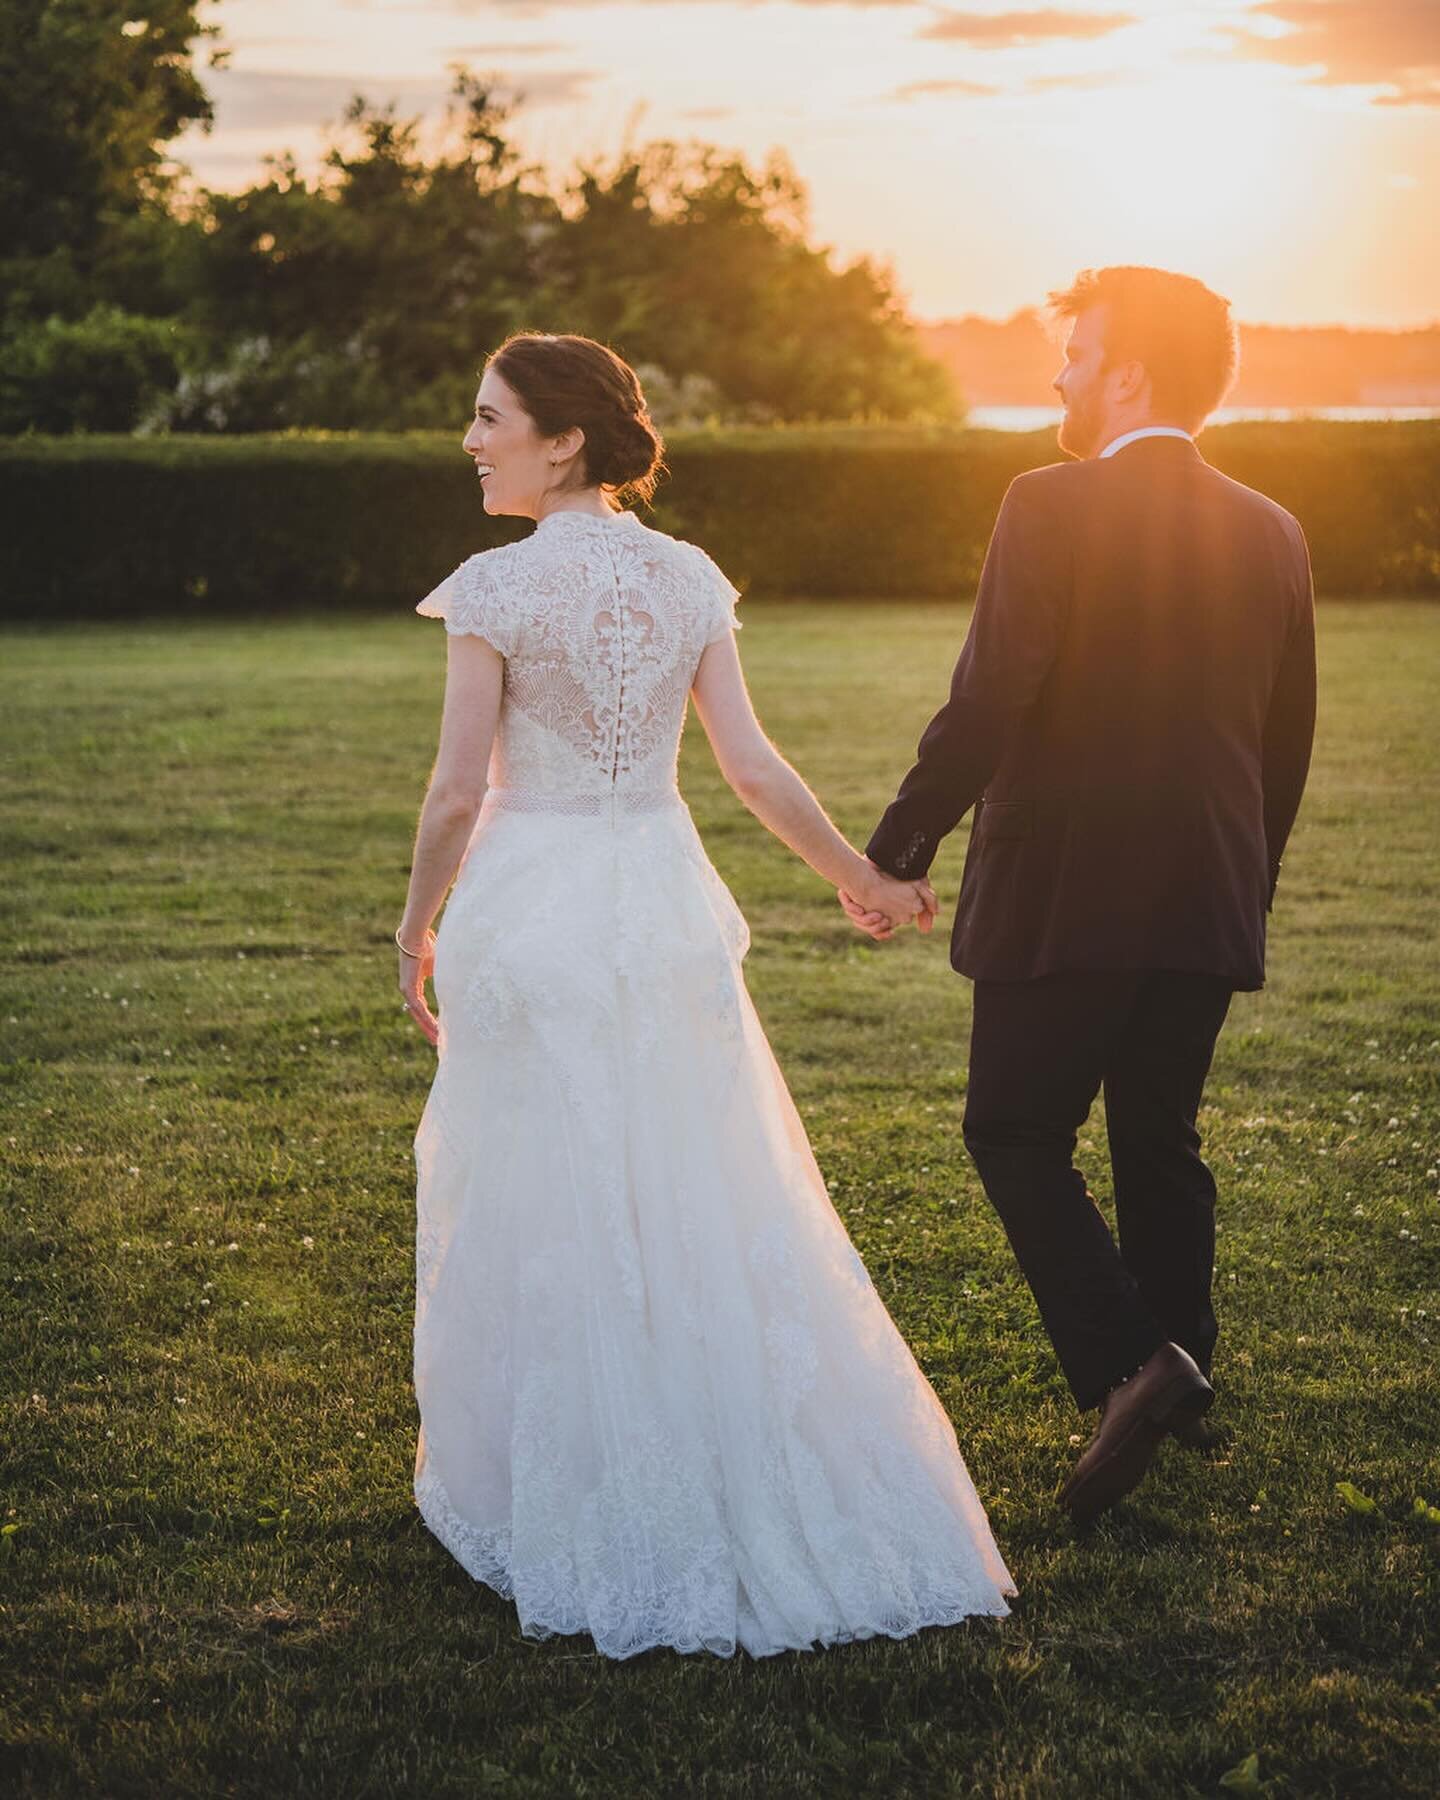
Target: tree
x=101, y=372
x=92, y=94
x=380, y=284
x=685, y=256
x=368, y=296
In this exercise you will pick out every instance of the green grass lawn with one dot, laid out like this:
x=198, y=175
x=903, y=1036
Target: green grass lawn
x=213, y=1579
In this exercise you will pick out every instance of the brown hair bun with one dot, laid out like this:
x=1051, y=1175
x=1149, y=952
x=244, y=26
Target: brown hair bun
x=565, y=380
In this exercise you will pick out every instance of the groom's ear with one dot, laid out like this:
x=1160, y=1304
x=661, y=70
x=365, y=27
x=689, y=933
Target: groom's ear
x=1129, y=379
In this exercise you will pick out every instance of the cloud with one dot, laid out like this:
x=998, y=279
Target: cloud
x=503, y=50
x=1103, y=78
x=1037, y=84
x=250, y=99
x=1354, y=43
x=924, y=90
x=288, y=43
x=1007, y=31
x=531, y=8
x=985, y=29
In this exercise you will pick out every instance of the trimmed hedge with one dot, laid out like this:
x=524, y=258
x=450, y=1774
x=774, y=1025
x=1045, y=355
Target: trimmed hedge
x=122, y=527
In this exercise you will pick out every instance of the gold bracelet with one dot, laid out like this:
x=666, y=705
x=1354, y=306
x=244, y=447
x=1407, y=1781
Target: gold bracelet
x=416, y=955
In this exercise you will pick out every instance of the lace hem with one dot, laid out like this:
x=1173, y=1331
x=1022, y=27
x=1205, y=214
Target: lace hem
x=485, y=1556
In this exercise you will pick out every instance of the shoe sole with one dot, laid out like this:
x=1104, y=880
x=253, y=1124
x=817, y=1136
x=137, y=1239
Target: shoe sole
x=1217, y=1437
x=1178, y=1403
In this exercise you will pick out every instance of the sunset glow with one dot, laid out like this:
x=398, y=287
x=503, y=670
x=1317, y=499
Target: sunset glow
x=1287, y=152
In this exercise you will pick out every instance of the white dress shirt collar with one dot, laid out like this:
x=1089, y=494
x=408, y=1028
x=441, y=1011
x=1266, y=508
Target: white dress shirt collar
x=1129, y=437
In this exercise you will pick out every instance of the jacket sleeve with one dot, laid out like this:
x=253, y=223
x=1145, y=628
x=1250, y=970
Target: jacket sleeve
x=1290, y=722
x=1014, y=638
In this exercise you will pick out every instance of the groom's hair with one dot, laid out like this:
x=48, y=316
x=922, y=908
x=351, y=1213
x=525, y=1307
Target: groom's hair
x=1173, y=324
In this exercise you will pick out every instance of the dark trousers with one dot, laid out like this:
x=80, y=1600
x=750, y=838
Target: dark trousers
x=1040, y=1051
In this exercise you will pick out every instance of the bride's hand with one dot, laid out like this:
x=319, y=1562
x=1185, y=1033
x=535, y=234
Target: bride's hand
x=880, y=904
x=415, y=971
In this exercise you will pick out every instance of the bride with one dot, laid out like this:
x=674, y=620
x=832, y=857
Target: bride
x=660, y=1401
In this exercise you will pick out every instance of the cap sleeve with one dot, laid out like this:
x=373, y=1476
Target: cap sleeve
x=721, y=595
x=474, y=600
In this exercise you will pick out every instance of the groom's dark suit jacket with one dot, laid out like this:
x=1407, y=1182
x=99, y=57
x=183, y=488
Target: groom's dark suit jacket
x=1131, y=718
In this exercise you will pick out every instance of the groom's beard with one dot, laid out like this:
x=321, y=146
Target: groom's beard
x=1079, y=432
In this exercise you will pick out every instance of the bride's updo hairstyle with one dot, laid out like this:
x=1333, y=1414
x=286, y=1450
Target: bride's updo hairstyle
x=565, y=380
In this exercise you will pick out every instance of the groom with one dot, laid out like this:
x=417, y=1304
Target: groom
x=1131, y=718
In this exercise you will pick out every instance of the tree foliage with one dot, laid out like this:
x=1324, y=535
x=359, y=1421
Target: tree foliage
x=696, y=262
x=367, y=294
x=92, y=93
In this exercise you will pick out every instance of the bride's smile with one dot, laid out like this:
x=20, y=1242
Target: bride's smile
x=525, y=471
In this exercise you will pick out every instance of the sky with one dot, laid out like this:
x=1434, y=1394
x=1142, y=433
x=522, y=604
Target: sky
x=1287, y=152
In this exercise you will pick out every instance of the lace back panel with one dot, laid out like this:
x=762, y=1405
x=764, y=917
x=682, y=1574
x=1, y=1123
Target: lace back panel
x=601, y=623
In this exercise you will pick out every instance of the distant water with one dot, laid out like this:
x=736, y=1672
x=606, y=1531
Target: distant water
x=1041, y=418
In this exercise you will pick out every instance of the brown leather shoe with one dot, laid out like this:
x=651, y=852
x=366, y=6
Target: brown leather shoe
x=1167, y=1391
x=1199, y=1434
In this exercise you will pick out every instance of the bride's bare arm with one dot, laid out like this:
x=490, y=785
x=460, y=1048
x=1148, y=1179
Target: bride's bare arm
x=474, y=675
x=474, y=678
x=777, y=796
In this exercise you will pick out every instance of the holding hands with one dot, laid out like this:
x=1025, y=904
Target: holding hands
x=878, y=904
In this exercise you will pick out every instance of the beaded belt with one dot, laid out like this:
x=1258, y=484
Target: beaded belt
x=617, y=799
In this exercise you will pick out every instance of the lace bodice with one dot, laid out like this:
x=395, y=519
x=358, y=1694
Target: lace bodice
x=601, y=622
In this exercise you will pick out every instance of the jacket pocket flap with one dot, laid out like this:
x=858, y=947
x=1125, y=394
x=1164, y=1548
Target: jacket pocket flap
x=1005, y=819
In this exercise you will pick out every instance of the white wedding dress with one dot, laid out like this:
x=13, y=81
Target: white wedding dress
x=660, y=1400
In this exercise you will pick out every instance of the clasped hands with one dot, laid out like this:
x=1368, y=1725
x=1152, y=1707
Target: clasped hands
x=880, y=904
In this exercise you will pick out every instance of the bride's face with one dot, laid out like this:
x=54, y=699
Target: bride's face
x=516, y=466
